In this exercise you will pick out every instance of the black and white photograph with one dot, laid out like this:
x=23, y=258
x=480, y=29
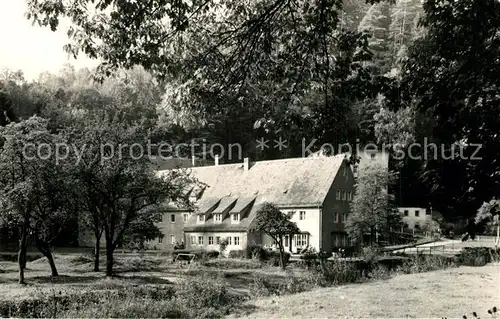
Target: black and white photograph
x=250, y=159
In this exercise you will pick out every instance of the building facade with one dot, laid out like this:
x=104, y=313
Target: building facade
x=416, y=217
x=317, y=190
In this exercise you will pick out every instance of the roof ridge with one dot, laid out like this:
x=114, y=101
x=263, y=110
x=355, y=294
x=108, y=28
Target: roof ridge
x=302, y=158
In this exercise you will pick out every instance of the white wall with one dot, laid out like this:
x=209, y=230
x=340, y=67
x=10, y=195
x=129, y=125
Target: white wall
x=215, y=246
x=379, y=157
x=309, y=224
x=424, y=216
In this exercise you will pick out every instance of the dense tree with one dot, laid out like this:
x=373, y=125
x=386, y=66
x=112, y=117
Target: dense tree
x=143, y=229
x=6, y=112
x=372, y=209
x=118, y=180
x=451, y=76
x=275, y=224
x=291, y=63
x=35, y=190
x=489, y=214
x=377, y=21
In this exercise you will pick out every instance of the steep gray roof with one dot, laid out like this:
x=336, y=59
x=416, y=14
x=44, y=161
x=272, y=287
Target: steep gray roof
x=288, y=182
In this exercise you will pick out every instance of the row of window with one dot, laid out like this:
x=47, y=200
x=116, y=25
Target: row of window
x=200, y=240
x=172, y=240
x=201, y=218
x=344, y=195
x=235, y=218
x=185, y=217
x=299, y=240
x=417, y=212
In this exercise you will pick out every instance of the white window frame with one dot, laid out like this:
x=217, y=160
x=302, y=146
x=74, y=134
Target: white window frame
x=285, y=241
x=172, y=218
x=172, y=239
x=300, y=240
x=229, y=242
x=236, y=240
x=201, y=219
x=185, y=217
x=210, y=240
x=160, y=240
x=417, y=213
x=338, y=194
x=193, y=240
x=218, y=218
x=200, y=240
x=302, y=215
x=235, y=218
x=344, y=217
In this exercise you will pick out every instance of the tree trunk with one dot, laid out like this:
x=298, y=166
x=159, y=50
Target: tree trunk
x=109, y=259
x=497, y=239
x=282, y=255
x=44, y=248
x=53, y=268
x=97, y=251
x=21, y=257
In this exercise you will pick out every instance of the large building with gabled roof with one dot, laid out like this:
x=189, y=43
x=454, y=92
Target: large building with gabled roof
x=317, y=189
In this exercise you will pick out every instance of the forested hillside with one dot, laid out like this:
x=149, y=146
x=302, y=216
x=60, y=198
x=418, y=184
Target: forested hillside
x=236, y=71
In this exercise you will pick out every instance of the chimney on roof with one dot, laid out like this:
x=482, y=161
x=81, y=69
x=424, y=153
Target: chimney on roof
x=216, y=160
x=246, y=163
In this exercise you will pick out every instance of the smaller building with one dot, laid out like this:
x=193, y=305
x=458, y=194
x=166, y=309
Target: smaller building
x=416, y=217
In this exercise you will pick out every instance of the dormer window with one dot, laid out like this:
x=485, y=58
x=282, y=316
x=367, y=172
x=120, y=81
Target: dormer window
x=201, y=219
x=236, y=218
x=217, y=218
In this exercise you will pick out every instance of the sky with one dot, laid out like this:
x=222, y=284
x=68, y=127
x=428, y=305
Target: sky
x=30, y=48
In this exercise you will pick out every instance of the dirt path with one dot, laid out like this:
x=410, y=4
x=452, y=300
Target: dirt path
x=446, y=293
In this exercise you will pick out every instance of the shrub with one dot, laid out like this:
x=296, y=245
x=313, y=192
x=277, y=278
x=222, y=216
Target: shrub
x=135, y=264
x=199, y=254
x=179, y=246
x=370, y=254
x=200, y=297
x=380, y=272
x=425, y=263
x=338, y=273
x=233, y=264
x=196, y=295
x=273, y=258
x=477, y=256
x=262, y=286
x=237, y=253
x=308, y=259
x=255, y=252
x=323, y=255
x=223, y=245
